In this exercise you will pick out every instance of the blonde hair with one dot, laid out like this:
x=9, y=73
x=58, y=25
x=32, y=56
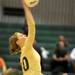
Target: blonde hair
x=13, y=47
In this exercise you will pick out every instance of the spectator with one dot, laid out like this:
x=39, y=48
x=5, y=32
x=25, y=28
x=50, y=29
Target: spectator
x=59, y=62
x=62, y=43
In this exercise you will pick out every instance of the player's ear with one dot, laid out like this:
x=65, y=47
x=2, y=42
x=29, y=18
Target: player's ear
x=20, y=43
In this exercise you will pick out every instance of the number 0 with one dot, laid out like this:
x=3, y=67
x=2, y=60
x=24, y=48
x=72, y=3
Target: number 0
x=25, y=63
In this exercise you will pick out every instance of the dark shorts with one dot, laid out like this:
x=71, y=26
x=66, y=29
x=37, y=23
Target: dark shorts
x=59, y=66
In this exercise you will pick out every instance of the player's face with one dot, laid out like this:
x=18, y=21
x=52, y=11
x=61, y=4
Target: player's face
x=61, y=38
x=21, y=39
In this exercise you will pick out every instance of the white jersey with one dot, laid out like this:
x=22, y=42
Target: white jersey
x=72, y=54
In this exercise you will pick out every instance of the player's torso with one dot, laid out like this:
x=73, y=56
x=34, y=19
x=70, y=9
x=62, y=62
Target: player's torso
x=30, y=61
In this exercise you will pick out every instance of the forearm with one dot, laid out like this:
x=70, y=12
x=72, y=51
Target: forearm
x=66, y=57
x=30, y=23
x=60, y=58
x=55, y=58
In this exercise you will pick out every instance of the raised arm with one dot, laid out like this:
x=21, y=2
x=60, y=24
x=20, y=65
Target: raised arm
x=31, y=26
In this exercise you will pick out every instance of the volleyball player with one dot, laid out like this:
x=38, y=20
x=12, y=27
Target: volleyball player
x=18, y=42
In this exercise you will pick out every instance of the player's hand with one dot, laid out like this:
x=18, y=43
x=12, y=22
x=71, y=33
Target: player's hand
x=30, y=3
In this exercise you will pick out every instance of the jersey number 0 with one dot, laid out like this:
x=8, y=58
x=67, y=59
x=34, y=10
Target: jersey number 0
x=25, y=63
